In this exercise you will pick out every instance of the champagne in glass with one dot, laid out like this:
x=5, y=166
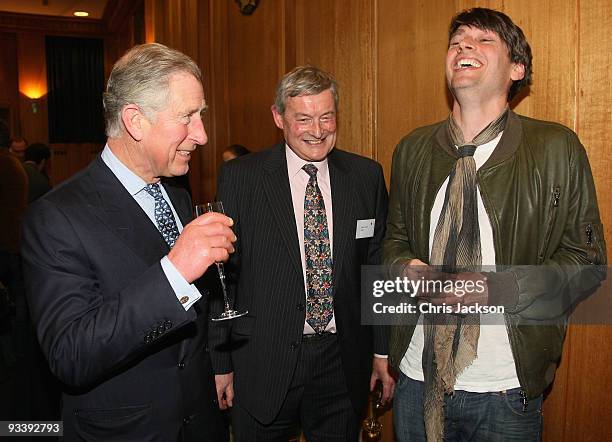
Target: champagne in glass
x=228, y=312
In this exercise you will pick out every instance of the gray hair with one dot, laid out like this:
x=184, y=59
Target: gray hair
x=141, y=76
x=304, y=80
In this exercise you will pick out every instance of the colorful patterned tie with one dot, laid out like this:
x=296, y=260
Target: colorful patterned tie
x=319, y=306
x=163, y=215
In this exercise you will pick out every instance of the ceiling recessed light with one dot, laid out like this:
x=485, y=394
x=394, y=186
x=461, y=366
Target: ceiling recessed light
x=81, y=14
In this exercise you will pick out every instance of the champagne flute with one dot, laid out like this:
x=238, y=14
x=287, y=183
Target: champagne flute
x=228, y=312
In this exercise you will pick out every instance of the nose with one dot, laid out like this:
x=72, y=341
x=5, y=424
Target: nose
x=197, y=132
x=316, y=128
x=464, y=44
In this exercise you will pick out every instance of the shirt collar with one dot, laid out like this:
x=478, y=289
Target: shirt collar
x=295, y=164
x=132, y=182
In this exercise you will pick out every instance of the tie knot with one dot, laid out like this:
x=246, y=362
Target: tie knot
x=467, y=150
x=311, y=170
x=154, y=190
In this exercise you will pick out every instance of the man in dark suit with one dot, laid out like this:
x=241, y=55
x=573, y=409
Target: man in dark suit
x=307, y=217
x=111, y=257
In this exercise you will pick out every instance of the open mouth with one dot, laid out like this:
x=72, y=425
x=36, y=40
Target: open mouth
x=184, y=153
x=466, y=63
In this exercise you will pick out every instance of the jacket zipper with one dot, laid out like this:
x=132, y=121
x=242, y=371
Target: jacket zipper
x=589, y=234
x=590, y=243
x=554, y=203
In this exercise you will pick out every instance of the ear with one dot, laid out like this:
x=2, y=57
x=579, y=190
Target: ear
x=133, y=120
x=518, y=71
x=278, y=118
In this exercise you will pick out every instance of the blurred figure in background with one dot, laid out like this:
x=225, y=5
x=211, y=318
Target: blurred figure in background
x=36, y=164
x=234, y=151
x=18, y=147
x=13, y=193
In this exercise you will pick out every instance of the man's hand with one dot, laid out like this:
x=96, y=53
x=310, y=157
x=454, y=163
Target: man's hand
x=469, y=288
x=380, y=371
x=225, y=390
x=415, y=270
x=204, y=241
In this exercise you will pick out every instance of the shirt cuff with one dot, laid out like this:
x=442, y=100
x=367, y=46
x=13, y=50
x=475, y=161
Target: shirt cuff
x=376, y=355
x=187, y=294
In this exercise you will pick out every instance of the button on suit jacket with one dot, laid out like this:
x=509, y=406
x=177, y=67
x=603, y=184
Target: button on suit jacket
x=266, y=278
x=134, y=362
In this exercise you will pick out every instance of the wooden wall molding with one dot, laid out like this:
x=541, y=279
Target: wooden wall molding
x=51, y=25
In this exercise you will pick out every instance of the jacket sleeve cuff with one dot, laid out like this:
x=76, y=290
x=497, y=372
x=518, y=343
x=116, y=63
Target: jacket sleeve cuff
x=503, y=289
x=221, y=362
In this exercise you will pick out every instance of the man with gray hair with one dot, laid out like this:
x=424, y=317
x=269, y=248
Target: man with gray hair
x=308, y=216
x=112, y=258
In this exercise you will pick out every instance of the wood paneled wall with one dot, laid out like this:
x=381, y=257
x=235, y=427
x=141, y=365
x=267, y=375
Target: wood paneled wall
x=23, y=74
x=388, y=59
x=9, y=93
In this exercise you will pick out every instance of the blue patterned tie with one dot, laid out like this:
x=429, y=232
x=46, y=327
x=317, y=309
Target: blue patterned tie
x=163, y=215
x=319, y=305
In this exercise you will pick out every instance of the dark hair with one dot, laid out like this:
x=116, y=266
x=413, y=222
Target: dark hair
x=37, y=152
x=512, y=36
x=238, y=150
x=5, y=135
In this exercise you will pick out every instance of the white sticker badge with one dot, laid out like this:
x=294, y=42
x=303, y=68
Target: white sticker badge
x=365, y=228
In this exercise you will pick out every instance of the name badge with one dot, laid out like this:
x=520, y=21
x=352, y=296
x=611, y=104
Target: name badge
x=365, y=228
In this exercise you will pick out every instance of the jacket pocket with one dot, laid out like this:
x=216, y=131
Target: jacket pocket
x=551, y=218
x=124, y=423
x=592, y=239
x=243, y=326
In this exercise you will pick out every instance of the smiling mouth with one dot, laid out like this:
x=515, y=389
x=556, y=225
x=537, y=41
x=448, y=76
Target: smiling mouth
x=467, y=63
x=315, y=142
x=184, y=153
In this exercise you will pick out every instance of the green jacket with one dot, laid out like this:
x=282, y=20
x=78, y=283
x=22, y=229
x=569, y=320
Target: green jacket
x=538, y=192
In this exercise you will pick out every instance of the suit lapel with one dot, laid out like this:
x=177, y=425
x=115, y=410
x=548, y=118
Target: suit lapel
x=341, y=191
x=118, y=209
x=113, y=204
x=278, y=193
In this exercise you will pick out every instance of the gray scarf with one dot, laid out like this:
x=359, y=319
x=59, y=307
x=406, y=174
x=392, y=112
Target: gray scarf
x=451, y=340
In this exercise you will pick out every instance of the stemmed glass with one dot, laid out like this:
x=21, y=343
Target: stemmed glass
x=228, y=312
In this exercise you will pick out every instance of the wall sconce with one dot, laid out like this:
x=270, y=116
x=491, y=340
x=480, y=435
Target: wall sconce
x=34, y=92
x=247, y=7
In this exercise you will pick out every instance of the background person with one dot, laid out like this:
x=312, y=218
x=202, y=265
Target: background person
x=235, y=151
x=36, y=163
x=18, y=147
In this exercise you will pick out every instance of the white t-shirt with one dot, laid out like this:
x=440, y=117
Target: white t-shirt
x=493, y=369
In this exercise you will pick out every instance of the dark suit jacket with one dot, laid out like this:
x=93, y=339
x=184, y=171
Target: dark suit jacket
x=265, y=274
x=134, y=362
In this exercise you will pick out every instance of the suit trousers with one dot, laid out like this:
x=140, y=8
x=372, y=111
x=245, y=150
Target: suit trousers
x=317, y=400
